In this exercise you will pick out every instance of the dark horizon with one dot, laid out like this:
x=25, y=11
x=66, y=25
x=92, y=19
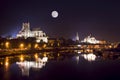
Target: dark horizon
x=101, y=19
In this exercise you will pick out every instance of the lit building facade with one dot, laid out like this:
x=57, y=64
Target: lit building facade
x=91, y=40
x=36, y=32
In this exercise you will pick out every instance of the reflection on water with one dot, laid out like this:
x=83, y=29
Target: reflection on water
x=6, y=63
x=36, y=56
x=39, y=61
x=26, y=65
x=21, y=58
x=89, y=57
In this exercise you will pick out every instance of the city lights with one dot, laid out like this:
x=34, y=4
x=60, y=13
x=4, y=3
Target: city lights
x=7, y=44
x=36, y=46
x=59, y=39
x=89, y=57
x=21, y=45
x=36, y=56
x=6, y=63
x=21, y=58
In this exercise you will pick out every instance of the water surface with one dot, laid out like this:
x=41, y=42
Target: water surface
x=59, y=66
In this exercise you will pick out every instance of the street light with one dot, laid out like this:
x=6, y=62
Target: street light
x=7, y=44
x=36, y=56
x=21, y=45
x=36, y=46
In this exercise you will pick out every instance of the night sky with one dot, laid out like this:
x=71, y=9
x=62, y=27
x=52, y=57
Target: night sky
x=99, y=18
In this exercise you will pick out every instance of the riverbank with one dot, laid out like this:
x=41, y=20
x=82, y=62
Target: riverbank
x=12, y=52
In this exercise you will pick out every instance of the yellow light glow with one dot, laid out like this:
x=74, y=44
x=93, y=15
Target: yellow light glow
x=21, y=45
x=36, y=56
x=44, y=45
x=44, y=54
x=6, y=63
x=36, y=46
x=29, y=46
x=1, y=63
x=21, y=58
x=110, y=46
x=7, y=44
x=58, y=54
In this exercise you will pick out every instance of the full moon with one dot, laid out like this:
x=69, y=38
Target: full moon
x=54, y=14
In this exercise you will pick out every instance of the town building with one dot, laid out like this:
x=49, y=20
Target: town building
x=91, y=40
x=26, y=32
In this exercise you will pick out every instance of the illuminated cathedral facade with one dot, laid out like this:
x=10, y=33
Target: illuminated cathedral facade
x=26, y=32
x=91, y=40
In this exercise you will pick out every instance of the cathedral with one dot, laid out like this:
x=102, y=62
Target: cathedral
x=91, y=40
x=36, y=32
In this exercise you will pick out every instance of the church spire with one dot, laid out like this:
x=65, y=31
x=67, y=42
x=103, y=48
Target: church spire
x=77, y=37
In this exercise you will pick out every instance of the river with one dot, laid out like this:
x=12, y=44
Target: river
x=59, y=66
